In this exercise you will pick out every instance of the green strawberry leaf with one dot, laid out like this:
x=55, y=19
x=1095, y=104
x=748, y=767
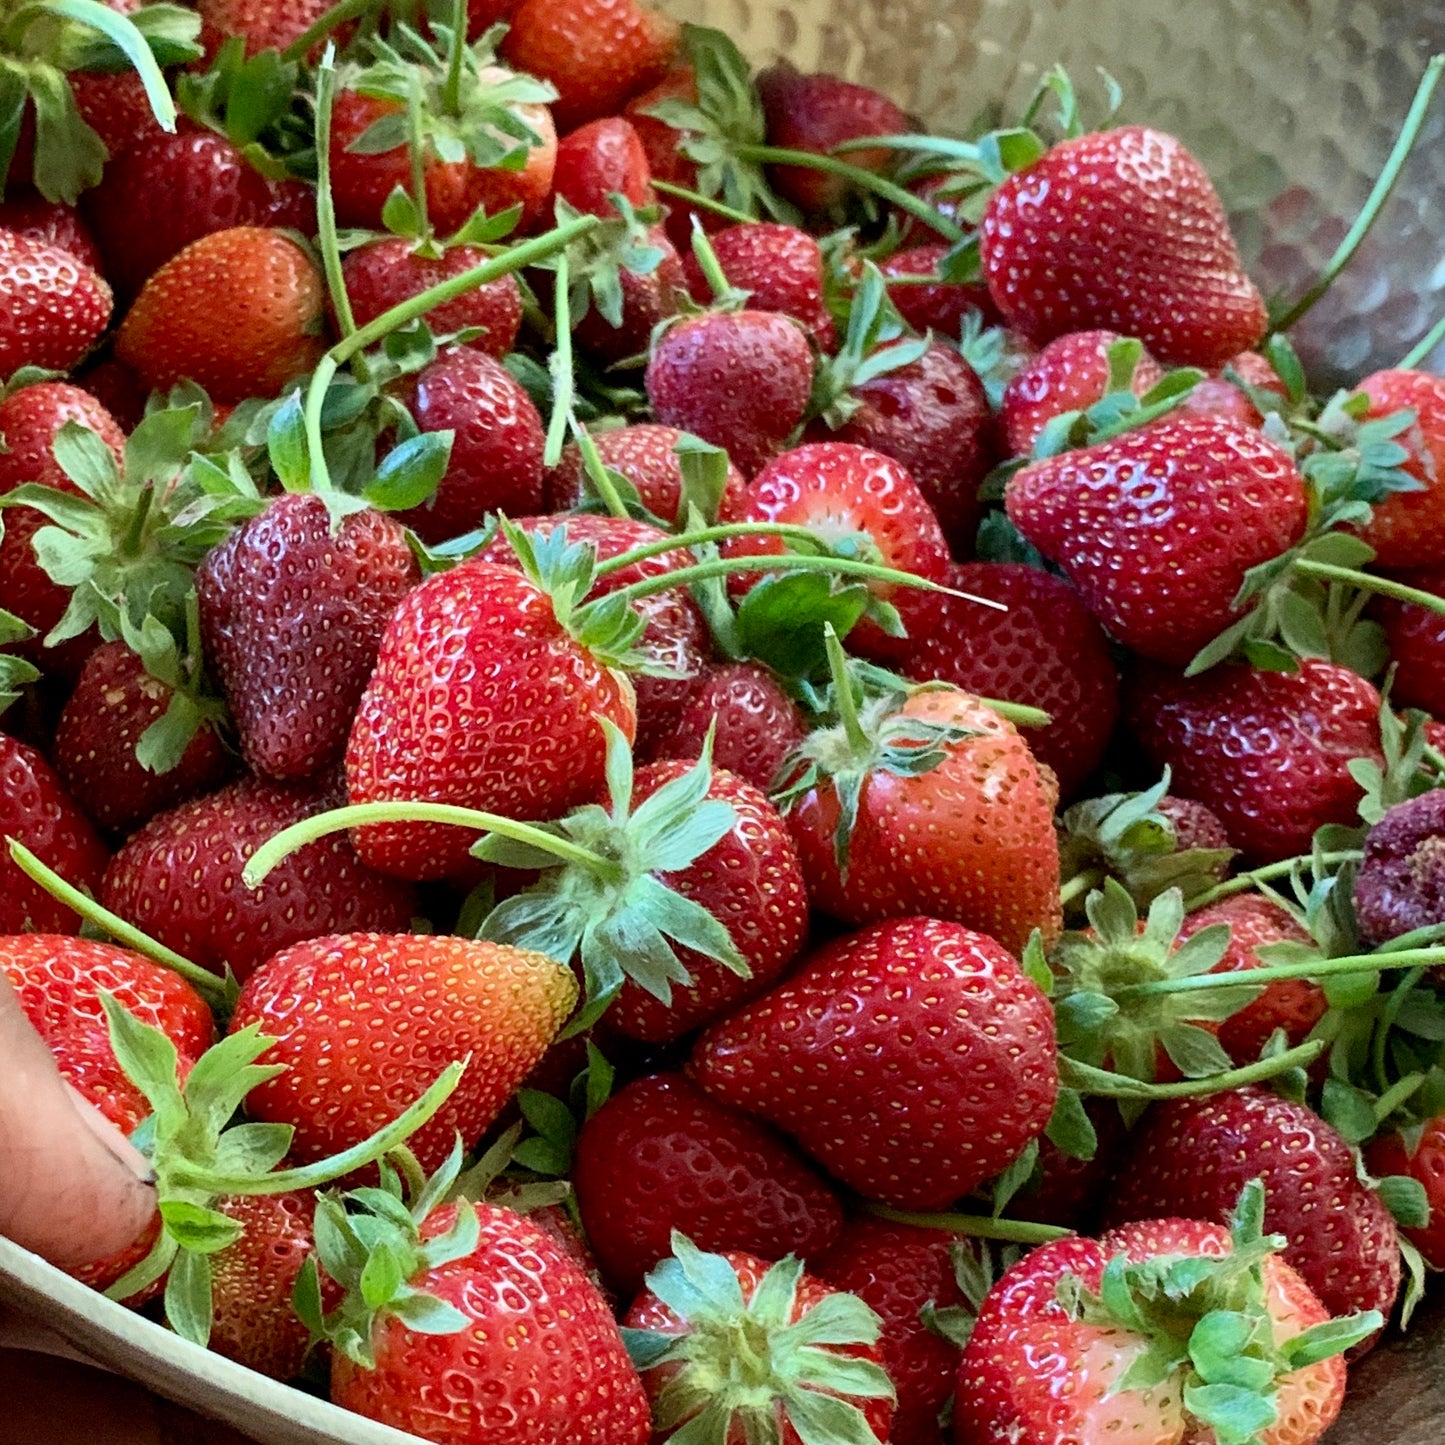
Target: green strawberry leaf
x=189, y=1303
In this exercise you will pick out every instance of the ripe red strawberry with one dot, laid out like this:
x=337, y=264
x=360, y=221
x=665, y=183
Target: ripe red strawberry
x=1217, y=396
x=1046, y=651
x=597, y=53
x=1416, y=639
x=1267, y=752
x=115, y=701
x=754, y=722
x=292, y=612
x=769, y=370
x=780, y=267
x=59, y=980
x=480, y=697
x=1399, y=886
x=646, y=454
x=238, y=312
x=1195, y=826
x=1408, y=529
x=1294, y=1005
x=1066, y=1191
x=160, y=194
x=214, y=920
x=971, y=840
x=390, y=271
x=1071, y=373
x=662, y=1156
x=366, y=1022
x=816, y=113
x=1191, y=1157
x=496, y=460
x=684, y=1333
x=264, y=24
x=1148, y=251
x=36, y=810
x=1158, y=527
x=1420, y=1154
x=648, y=296
x=599, y=160
x=913, y=1060
x=940, y=307
x=55, y=308
x=840, y=491
x=663, y=144
x=52, y=224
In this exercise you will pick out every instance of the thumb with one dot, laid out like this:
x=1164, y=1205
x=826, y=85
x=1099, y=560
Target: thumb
x=72, y=1188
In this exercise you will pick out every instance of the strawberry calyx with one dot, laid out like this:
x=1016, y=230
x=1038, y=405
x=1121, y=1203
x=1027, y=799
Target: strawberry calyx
x=995, y=353
x=744, y=1364
x=1207, y=1323
x=15, y=672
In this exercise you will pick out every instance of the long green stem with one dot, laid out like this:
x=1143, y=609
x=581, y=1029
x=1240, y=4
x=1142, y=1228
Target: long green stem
x=1020, y=714
x=316, y=390
x=324, y=24
x=1401, y=1093
x=213, y=989
x=708, y=264
x=596, y=468
x=1283, y=972
x=452, y=96
x=122, y=32
x=1243, y=882
x=1367, y=581
x=560, y=365
x=702, y=202
x=325, y=202
x=362, y=815
x=1389, y=176
x=1380, y=1050
x=977, y=1226
x=1090, y=1080
x=1422, y=348
x=1081, y=884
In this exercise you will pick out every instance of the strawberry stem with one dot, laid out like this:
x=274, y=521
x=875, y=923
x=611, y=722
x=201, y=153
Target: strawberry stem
x=1283, y=972
x=216, y=991
x=1081, y=883
x=709, y=264
x=452, y=95
x=1368, y=582
x=325, y=202
x=1105, y=1084
x=843, y=698
x=1422, y=348
x=560, y=365
x=361, y=815
x=1243, y=882
x=416, y=153
x=324, y=24
x=703, y=203
x=1384, y=185
x=596, y=470
x=977, y=1226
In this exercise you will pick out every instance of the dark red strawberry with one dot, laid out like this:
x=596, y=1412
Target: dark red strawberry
x=263, y=24
x=1408, y=529
x=740, y=380
x=1069, y=1192
x=662, y=1156
x=913, y=1060
x=940, y=306
x=648, y=295
x=1157, y=528
x=1416, y=638
x=1148, y=250
x=213, y=919
x=1045, y=651
x=1401, y=882
x=599, y=160
x=390, y=271
x=52, y=224
x=118, y=389
x=1418, y=1154
x=292, y=612
x=1267, y=752
x=55, y=306
x=1195, y=826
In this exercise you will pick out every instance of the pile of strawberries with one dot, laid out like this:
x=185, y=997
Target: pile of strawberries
x=637, y=693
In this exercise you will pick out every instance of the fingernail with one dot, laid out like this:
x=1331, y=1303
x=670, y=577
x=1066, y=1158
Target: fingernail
x=112, y=1139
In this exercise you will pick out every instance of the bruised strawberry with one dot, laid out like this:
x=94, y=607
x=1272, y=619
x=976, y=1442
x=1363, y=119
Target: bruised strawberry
x=599, y=160
x=54, y=306
x=1408, y=528
x=1401, y=883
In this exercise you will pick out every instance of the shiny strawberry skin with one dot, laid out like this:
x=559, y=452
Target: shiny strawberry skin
x=1191, y=1157
x=390, y=271
x=971, y=841
x=36, y=810
x=739, y=380
x=1416, y=639
x=496, y=461
x=599, y=160
x=662, y=1155
x=479, y=698
x=1071, y=373
x=265, y=24
x=53, y=307
x=59, y=980
x=1046, y=651
x=214, y=920
x=51, y=224
x=1158, y=527
x=912, y=1060
x=1267, y=752
x=292, y=614
x=366, y=1022
x=1148, y=251
x=114, y=702
x=939, y=308
x=1408, y=529
x=1421, y=1158
x=538, y=1336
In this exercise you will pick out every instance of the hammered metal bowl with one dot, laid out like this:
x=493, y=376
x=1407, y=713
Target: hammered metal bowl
x=1293, y=106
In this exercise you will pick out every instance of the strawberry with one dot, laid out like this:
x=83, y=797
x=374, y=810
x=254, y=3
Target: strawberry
x=115, y=702
x=1418, y=1153
x=36, y=811
x=292, y=611
x=1416, y=639
x=1217, y=395
x=851, y=1022
x=215, y=920
x=477, y=1294
x=1195, y=826
x=1091, y=1339
x=1268, y=752
x=799, y=1376
x=848, y=494
x=1408, y=528
x=386, y=1013
x=387, y=272
x=781, y=269
x=1158, y=527
x=634, y=280
x=118, y=389
x=939, y=307
x=932, y=803
x=754, y=722
x=665, y=147
x=597, y=53
x=1191, y=1157
x=769, y=367
x=599, y=160
x=56, y=307
x=1071, y=373
x=238, y=312
x=1067, y=1191
x=496, y=456
x=262, y=24
x=1046, y=651
x=817, y=113
x=1149, y=252
x=51, y=223
x=1401, y=885
x=661, y=1155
